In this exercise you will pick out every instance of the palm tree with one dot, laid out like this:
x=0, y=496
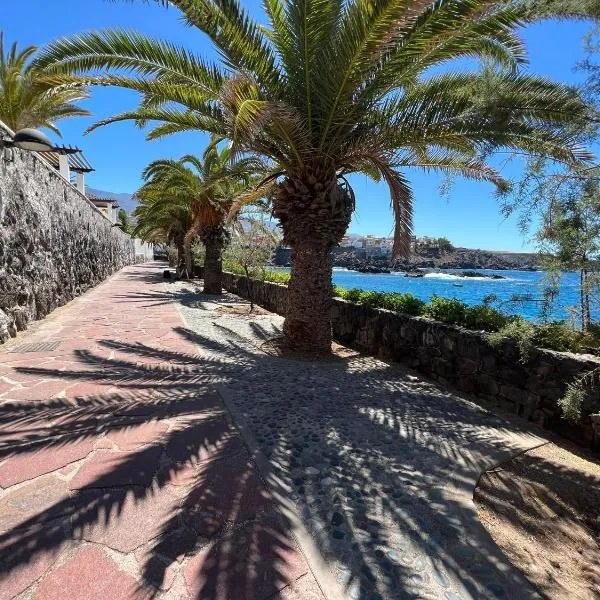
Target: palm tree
x=27, y=99
x=208, y=188
x=163, y=219
x=332, y=87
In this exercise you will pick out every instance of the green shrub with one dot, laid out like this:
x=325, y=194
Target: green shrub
x=338, y=292
x=404, y=303
x=484, y=318
x=372, y=299
x=352, y=295
x=556, y=336
x=446, y=310
x=277, y=277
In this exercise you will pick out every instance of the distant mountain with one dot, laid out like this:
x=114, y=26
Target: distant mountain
x=125, y=201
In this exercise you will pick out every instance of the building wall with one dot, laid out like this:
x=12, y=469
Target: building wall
x=455, y=357
x=143, y=251
x=54, y=244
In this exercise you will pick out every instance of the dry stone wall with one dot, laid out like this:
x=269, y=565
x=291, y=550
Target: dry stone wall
x=54, y=244
x=495, y=376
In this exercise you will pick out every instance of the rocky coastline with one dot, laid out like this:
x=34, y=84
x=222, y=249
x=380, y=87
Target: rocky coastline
x=434, y=259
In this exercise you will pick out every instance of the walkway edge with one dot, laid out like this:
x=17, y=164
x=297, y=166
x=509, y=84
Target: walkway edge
x=330, y=588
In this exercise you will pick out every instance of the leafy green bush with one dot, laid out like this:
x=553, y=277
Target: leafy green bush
x=558, y=336
x=407, y=304
x=372, y=299
x=484, y=318
x=277, y=277
x=338, y=291
x=352, y=295
x=446, y=310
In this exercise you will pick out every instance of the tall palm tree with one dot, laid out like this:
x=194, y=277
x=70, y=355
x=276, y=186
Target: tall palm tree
x=208, y=188
x=333, y=87
x=27, y=99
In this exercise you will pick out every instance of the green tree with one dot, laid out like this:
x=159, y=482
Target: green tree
x=330, y=88
x=209, y=187
x=252, y=247
x=27, y=99
x=124, y=221
x=444, y=244
x=570, y=240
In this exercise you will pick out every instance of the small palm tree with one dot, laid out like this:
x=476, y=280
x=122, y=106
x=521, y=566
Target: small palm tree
x=27, y=99
x=329, y=88
x=209, y=187
x=163, y=219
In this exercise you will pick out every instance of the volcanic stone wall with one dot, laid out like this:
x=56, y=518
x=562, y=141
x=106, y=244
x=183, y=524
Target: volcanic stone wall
x=494, y=376
x=54, y=244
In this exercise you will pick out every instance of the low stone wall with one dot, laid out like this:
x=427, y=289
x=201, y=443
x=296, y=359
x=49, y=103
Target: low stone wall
x=494, y=376
x=54, y=244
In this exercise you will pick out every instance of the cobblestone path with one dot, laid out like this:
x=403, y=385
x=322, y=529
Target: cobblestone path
x=380, y=463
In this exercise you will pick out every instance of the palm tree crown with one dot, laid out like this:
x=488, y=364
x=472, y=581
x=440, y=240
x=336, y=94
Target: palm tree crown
x=333, y=87
x=198, y=194
x=26, y=99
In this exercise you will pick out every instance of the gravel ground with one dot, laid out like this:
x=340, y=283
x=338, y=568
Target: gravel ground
x=380, y=463
x=543, y=509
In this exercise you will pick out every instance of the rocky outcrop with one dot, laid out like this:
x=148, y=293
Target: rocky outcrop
x=434, y=258
x=54, y=244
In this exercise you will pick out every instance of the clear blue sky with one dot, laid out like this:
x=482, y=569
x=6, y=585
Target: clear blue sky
x=469, y=217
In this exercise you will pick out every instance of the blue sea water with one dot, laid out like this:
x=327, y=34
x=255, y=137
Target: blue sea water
x=471, y=290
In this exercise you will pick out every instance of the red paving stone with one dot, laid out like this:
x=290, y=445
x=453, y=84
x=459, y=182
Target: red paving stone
x=227, y=490
x=30, y=464
x=132, y=454
x=109, y=468
x=131, y=437
x=252, y=563
x=130, y=521
x=20, y=577
x=90, y=575
x=25, y=502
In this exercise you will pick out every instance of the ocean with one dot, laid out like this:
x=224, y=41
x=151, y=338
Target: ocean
x=471, y=290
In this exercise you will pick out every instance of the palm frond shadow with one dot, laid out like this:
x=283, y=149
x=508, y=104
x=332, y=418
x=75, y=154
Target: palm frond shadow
x=202, y=440
x=430, y=523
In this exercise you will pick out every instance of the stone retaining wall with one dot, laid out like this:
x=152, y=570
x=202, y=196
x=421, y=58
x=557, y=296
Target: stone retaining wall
x=54, y=244
x=456, y=357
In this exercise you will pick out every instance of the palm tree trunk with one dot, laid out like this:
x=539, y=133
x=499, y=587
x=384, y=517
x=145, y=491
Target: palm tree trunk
x=307, y=324
x=180, y=259
x=214, y=239
x=314, y=211
x=188, y=259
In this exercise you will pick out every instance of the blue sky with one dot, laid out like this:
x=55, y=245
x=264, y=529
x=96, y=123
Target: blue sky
x=468, y=217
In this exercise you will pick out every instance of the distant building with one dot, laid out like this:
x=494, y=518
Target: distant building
x=109, y=208
x=68, y=160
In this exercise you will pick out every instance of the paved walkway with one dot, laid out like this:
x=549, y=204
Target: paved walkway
x=124, y=476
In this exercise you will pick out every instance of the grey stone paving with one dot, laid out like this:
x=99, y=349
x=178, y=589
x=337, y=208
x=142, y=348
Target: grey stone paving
x=380, y=463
